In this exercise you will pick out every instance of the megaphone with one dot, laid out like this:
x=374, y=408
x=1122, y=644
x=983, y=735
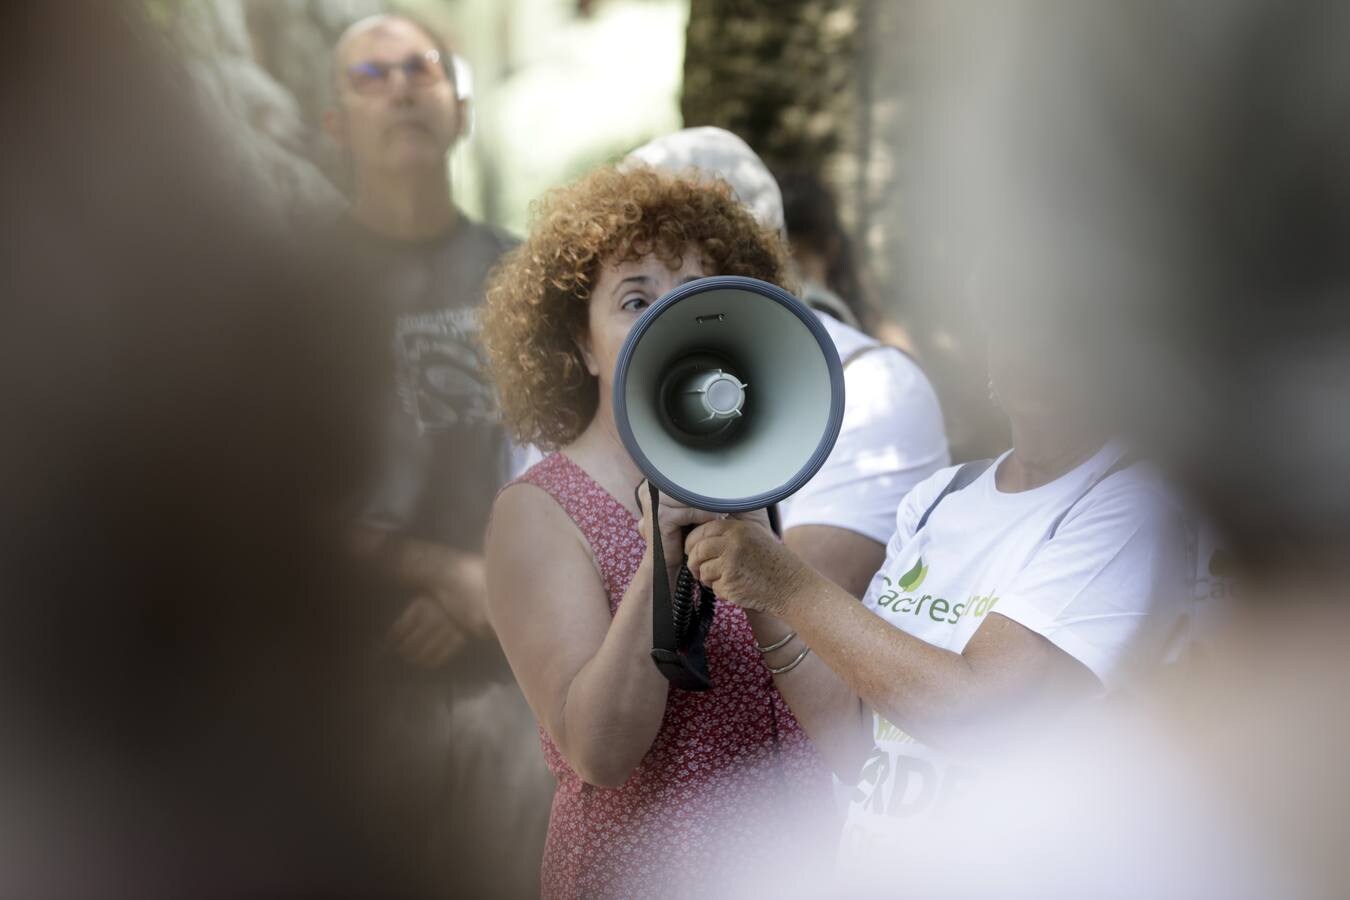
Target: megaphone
x=728, y=395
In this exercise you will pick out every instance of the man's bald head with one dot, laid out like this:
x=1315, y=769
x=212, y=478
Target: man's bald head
x=395, y=106
x=358, y=34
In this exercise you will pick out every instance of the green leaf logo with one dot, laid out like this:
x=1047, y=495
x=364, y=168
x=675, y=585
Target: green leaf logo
x=914, y=577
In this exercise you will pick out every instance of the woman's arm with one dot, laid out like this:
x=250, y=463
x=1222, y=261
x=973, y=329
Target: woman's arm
x=847, y=558
x=827, y=708
x=1006, y=673
x=588, y=676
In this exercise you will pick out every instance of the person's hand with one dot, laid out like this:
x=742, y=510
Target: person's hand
x=674, y=518
x=457, y=583
x=424, y=635
x=435, y=575
x=758, y=517
x=742, y=561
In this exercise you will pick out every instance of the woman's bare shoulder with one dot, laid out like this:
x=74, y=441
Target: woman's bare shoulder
x=529, y=528
x=526, y=513
x=542, y=584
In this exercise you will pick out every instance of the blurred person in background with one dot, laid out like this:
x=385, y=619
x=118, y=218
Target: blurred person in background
x=460, y=733
x=892, y=434
x=660, y=792
x=183, y=657
x=1180, y=175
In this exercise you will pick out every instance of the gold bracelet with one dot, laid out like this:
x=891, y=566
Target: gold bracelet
x=777, y=644
x=792, y=665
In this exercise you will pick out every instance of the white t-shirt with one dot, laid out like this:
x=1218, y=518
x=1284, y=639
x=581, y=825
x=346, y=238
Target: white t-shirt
x=892, y=437
x=1112, y=589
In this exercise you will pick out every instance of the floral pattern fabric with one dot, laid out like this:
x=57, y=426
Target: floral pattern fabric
x=729, y=777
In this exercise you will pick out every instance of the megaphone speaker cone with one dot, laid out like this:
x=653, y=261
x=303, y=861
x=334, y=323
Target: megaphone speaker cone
x=729, y=394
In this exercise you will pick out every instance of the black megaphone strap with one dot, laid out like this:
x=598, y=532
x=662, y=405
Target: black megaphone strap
x=680, y=658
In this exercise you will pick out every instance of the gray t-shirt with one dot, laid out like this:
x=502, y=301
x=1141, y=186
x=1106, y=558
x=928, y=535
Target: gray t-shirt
x=443, y=453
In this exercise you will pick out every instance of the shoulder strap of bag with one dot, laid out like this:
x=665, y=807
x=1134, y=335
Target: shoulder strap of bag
x=963, y=478
x=1126, y=460
x=871, y=348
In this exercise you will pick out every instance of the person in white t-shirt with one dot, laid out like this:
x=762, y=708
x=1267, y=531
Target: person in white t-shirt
x=1011, y=592
x=891, y=439
x=892, y=436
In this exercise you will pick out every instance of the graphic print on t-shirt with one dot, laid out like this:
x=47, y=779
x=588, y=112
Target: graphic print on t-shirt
x=914, y=577
x=898, y=782
x=441, y=379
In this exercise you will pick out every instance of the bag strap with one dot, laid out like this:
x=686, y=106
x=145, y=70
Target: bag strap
x=870, y=348
x=1126, y=460
x=963, y=478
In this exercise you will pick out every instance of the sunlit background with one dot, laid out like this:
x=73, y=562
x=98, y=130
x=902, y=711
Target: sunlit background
x=820, y=89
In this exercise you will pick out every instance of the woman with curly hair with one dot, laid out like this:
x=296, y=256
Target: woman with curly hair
x=653, y=783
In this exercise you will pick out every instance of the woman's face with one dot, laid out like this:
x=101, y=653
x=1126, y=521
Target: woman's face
x=622, y=291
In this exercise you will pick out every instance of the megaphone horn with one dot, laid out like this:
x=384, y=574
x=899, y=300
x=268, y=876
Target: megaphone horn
x=729, y=394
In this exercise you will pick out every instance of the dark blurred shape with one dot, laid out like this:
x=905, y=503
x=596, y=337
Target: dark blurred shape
x=1171, y=182
x=1242, y=370
x=187, y=409
x=1174, y=180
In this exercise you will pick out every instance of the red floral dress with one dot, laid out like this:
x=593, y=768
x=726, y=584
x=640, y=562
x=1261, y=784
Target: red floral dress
x=731, y=785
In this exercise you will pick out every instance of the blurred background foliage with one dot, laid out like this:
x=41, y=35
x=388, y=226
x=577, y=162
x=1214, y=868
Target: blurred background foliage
x=821, y=87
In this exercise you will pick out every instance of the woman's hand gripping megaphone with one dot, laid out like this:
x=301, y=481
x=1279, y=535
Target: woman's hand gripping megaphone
x=741, y=560
x=674, y=521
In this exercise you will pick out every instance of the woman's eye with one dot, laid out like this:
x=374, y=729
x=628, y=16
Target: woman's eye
x=635, y=304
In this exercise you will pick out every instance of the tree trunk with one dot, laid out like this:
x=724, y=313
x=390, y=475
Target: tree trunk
x=782, y=77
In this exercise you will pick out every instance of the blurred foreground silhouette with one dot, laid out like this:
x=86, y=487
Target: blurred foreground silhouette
x=188, y=395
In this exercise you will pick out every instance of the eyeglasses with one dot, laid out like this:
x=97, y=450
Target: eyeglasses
x=419, y=69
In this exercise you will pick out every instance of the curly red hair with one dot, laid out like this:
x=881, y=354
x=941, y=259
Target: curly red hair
x=538, y=297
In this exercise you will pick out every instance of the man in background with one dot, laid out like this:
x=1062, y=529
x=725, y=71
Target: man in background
x=461, y=736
